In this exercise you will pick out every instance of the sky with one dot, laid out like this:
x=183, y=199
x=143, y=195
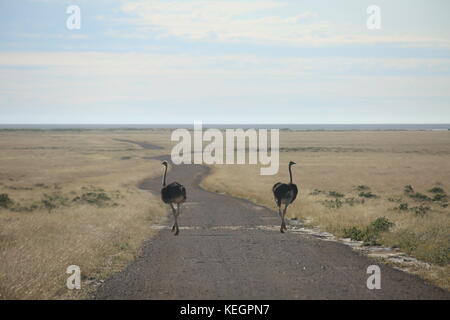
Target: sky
x=232, y=61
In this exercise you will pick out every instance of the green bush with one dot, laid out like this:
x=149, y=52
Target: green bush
x=419, y=196
x=440, y=197
x=421, y=210
x=5, y=200
x=94, y=198
x=371, y=233
x=381, y=224
x=367, y=195
x=436, y=190
x=333, y=204
x=335, y=194
x=367, y=236
x=49, y=205
x=362, y=188
x=354, y=233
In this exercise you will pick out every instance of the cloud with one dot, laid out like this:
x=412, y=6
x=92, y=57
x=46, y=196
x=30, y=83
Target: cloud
x=228, y=21
x=100, y=87
x=254, y=22
x=186, y=65
x=90, y=78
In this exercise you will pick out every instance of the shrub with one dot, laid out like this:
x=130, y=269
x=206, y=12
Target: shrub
x=316, y=192
x=371, y=233
x=335, y=194
x=367, y=195
x=419, y=196
x=354, y=233
x=440, y=197
x=39, y=185
x=94, y=198
x=333, y=204
x=369, y=237
x=421, y=210
x=5, y=200
x=408, y=189
x=362, y=188
x=436, y=190
x=353, y=201
x=49, y=205
x=381, y=224
x=403, y=206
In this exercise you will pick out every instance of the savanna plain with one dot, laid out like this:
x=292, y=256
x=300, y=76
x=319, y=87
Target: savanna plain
x=71, y=197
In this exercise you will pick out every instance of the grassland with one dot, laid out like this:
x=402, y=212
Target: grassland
x=70, y=198
x=348, y=180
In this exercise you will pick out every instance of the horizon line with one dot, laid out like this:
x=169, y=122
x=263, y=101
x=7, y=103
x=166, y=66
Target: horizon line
x=234, y=123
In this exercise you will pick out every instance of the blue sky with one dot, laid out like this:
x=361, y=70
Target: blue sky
x=246, y=61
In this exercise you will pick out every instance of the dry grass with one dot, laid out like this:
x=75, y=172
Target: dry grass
x=102, y=234
x=341, y=161
x=95, y=216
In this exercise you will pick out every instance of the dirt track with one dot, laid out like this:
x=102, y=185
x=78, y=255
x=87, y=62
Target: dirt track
x=232, y=249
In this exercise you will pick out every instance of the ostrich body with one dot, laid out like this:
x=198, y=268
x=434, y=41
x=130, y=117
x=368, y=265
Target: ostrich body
x=173, y=193
x=284, y=194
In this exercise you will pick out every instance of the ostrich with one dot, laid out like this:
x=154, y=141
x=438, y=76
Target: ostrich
x=171, y=194
x=284, y=193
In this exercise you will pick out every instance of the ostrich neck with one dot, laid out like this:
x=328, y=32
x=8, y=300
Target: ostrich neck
x=290, y=175
x=164, y=177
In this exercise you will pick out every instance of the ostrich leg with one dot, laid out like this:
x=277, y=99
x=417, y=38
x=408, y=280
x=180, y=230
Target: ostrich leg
x=177, y=230
x=174, y=216
x=281, y=217
x=283, y=223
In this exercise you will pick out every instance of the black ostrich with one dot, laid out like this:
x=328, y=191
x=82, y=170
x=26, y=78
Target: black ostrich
x=285, y=194
x=171, y=194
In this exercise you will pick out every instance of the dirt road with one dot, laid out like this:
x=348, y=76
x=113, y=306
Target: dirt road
x=232, y=249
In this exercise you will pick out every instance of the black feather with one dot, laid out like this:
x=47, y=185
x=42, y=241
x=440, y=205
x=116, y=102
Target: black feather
x=284, y=191
x=173, y=192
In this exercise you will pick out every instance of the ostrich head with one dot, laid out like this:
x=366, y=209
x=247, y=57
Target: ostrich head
x=165, y=163
x=291, y=163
